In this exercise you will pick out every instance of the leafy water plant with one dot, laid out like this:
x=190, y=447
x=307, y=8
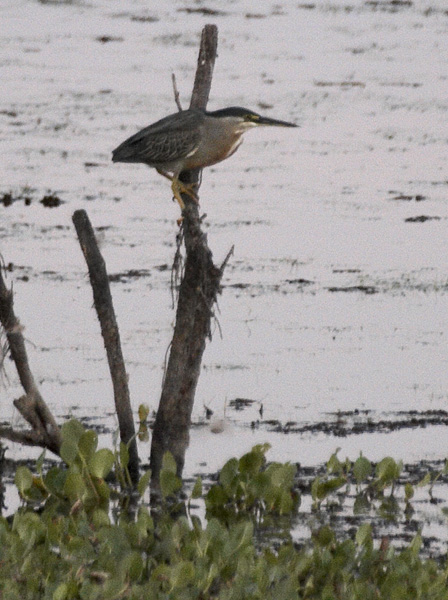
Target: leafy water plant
x=65, y=542
x=250, y=486
x=371, y=482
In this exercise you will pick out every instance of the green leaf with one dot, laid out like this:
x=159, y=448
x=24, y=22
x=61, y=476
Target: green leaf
x=251, y=463
x=87, y=444
x=170, y=483
x=196, y=523
x=415, y=545
x=69, y=452
x=168, y=463
x=143, y=433
x=322, y=488
x=408, y=491
x=315, y=486
x=388, y=470
x=144, y=482
x=29, y=528
x=54, y=480
x=182, y=574
x=144, y=520
x=71, y=432
x=325, y=536
x=216, y=530
x=285, y=503
x=124, y=455
x=101, y=495
x=134, y=563
x=364, y=535
x=228, y=474
x=362, y=469
x=143, y=412
x=40, y=461
x=60, y=592
x=425, y=481
x=334, y=465
x=197, y=489
x=23, y=480
x=362, y=504
x=74, y=486
x=281, y=475
x=101, y=463
x=215, y=498
x=100, y=518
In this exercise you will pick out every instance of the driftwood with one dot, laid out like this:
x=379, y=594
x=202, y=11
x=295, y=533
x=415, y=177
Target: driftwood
x=45, y=431
x=99, y=281
x=200, y=285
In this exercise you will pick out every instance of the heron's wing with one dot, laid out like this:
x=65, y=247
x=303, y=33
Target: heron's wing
x=169, y=140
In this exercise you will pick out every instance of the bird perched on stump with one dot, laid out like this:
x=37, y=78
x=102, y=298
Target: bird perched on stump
x=190, y=139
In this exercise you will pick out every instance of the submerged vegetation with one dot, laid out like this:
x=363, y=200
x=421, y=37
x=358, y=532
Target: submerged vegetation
x=80, y=535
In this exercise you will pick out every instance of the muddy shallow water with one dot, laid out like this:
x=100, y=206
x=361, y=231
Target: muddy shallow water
x=333, y=316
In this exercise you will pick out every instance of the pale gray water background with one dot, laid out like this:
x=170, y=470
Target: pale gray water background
x=326, y=203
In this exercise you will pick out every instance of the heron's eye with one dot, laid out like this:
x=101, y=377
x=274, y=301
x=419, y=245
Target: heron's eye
x=251, y=117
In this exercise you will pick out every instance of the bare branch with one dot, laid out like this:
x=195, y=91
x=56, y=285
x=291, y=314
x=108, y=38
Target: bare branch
x=176, y=93
x=27, y=438
x=226, y=260
x=109, y=330
x=32, y=406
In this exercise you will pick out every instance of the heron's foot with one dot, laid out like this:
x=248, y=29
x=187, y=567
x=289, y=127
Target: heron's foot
x=178, y=188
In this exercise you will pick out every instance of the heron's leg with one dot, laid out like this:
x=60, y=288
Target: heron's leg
x=165, y=174
x=178, y=188
x=177, y=191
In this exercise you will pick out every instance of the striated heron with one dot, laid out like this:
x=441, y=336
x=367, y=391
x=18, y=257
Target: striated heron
x=190, y=139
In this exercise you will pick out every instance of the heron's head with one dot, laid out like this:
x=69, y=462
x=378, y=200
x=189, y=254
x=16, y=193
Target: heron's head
x=242, y=119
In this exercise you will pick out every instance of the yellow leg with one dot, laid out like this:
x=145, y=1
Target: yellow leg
x=179, y=188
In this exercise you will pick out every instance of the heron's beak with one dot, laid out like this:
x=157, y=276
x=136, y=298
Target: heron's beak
x=274, y=122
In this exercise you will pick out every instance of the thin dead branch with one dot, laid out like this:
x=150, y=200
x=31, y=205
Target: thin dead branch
x=176, y=93
x=99, y=281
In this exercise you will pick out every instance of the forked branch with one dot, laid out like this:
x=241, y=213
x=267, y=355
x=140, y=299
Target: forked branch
x=45, y=431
